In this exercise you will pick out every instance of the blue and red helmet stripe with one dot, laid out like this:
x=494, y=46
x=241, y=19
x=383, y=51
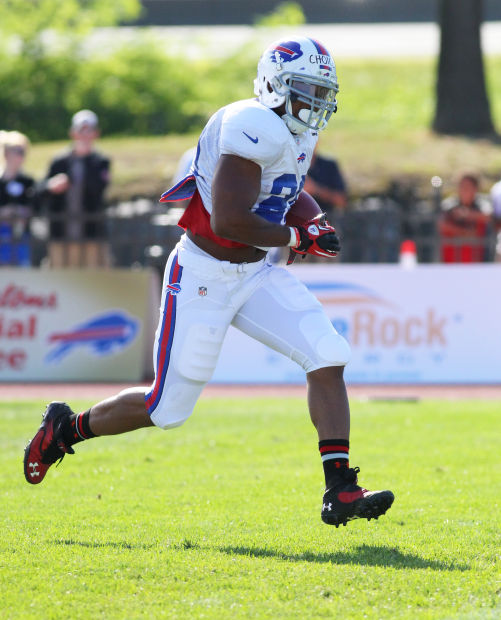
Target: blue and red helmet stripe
x=320, y=48
x=286, y=50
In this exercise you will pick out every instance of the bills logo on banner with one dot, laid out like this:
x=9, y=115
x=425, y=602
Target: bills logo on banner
x=103, y=335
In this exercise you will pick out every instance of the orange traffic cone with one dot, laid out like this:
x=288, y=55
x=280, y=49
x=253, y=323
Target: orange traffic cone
x=408, y=254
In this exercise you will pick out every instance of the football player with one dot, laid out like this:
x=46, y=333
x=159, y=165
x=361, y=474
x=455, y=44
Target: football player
x=250, y=165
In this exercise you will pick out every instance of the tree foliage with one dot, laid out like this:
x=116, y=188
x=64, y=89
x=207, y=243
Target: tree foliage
x=136, y=89
x=28, y=20
x=286, y=14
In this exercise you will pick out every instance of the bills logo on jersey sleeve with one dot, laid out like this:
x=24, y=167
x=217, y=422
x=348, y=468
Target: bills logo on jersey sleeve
x=174, y=289
x=285, y=52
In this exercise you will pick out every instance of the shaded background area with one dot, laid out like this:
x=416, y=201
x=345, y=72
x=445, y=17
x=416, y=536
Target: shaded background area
x=193, y=12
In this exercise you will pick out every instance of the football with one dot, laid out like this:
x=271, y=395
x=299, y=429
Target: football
x=303, y=210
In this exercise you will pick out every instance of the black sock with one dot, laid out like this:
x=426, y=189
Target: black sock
x=76, y=428
x=335, y=458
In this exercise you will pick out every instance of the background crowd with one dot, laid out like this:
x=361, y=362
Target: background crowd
x=64, y=220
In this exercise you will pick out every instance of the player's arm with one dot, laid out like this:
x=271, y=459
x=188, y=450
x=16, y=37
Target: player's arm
x=235, y=190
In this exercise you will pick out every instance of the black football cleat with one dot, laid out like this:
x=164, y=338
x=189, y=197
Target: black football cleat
x=47, y=446
x=346, y=500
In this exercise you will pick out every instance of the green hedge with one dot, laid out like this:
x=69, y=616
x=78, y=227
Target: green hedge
x=138, y=89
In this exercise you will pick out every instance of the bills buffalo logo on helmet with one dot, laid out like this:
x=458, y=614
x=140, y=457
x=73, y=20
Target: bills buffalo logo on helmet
x=287, y=51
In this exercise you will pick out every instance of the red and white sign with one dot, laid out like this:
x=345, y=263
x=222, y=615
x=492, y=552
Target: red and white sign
x=73, y=325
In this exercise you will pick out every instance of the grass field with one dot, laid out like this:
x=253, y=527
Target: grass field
x=220, y=519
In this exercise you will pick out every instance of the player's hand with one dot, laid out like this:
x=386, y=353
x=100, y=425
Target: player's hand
x=317, y=237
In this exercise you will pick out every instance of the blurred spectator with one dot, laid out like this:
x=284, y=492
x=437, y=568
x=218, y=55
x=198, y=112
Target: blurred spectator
x=74, y=192
x=496, y=214
x=464, y=224
x=496, y=202
x=17, y=194
x=326, y=184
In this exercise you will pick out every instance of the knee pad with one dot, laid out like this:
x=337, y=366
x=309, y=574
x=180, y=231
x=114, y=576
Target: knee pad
x=200, y=351
x=333, y=350
x=193, y=359
x=328, y=348
x=176, y=405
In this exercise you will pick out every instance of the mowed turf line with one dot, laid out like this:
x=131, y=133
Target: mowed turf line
x=220, y=518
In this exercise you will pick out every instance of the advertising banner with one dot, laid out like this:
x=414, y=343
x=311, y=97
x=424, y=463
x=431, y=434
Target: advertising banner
x=73, y=325
x=427, y=324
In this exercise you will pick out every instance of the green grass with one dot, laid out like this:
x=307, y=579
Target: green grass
x=220, y=518
x=381, y=132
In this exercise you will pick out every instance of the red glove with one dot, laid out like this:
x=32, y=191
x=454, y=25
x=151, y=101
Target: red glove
x=315, y=237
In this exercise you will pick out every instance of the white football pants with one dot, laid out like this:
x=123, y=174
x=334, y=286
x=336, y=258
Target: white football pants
x=202, y=297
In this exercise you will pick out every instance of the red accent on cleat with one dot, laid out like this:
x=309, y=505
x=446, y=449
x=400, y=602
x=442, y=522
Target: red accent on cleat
x=345, y=500
x=34, y=469
x=45, y=448
x=346, y=497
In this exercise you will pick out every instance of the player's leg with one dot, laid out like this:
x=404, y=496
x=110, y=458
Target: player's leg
x=328, y=402
x=61, y=428
x=284, y=315
x=121, y=413
x=189, y=336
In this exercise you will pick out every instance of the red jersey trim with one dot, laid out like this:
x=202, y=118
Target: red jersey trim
x=196, y=218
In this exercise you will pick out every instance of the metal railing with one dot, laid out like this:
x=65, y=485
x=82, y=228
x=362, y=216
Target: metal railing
x=142, y=233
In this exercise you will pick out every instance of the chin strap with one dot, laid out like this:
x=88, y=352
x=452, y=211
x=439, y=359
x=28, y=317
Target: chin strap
x=293, y=125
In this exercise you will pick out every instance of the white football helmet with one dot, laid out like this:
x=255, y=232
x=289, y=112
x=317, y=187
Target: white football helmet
x=300, y=69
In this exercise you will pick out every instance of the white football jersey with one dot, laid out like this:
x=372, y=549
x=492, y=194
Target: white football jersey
x=252, y=131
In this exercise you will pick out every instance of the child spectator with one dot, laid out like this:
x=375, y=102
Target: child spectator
x=17, y=194
x=464, y=224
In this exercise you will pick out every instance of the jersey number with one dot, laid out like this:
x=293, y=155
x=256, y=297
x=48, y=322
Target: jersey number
x=283, y=194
